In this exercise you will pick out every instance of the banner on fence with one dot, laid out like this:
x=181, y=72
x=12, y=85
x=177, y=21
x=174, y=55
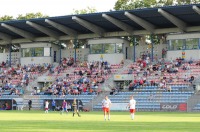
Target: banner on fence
x=173, y=106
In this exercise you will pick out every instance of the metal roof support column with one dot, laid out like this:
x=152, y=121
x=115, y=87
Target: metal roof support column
x=118, y=23
x=19, y=31
x=62, y=28
x=75, y=45
x=145, y=24
x=90, y=26
x=5, y=37
x=10, y=59
x=134, y=46
x=176, y=21
x=195, y=8
x=43, y=29
x=60, y=52
x=152, y=46
x=199, y=44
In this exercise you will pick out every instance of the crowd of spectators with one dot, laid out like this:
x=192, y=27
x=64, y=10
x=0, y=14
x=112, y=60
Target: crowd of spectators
x=86, y=78
x=13, y=80
x=161, y=73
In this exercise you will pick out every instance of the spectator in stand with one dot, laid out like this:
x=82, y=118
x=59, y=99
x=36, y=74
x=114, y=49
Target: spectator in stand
x=190, y=61
x=141, y=82
x=170, y=80
x=185, y=78
x=198, y=63
x=169, y=88
x=130, y=71
x=131, y=86
x=191, y=79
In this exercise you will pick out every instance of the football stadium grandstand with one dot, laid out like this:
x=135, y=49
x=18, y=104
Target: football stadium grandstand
x=89, y=56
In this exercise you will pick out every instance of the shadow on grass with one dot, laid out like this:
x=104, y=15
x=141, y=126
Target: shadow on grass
x=55, y=126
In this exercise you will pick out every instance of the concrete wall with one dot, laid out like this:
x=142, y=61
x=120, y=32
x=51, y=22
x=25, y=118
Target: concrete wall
x=144, y=48
x=36, y=60
x=15, y=57
x=107, y=40
x=41, y=60
x=36, y=44
x=55, y=48
x=115, y=58
x=111, y=58
x=45, y=79
x=81, y=54
x=194, y=54
x=183, y=36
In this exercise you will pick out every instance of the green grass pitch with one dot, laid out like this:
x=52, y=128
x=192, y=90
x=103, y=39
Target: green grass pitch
x=38, y=121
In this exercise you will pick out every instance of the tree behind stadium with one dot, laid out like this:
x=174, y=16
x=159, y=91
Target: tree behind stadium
x=23, y=17
x=135, y=4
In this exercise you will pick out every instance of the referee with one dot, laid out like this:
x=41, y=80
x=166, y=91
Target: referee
x=74, y=105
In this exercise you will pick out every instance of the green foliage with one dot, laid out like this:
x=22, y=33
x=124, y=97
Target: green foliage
x=6, y=18
x=85, y=11
x=31, y=15
x=134, y=4
x=23, y=17
x=134, y=40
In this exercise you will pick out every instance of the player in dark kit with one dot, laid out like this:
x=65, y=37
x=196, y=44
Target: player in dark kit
x=74, y=105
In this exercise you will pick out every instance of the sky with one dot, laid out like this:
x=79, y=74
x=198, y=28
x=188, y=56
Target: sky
x=52, y=7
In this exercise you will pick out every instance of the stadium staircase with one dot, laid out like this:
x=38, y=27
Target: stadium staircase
x=37, y=103
x=193, y=101
x=106, y=87
x=95, y=101
x=34, y=83
x=109, y=83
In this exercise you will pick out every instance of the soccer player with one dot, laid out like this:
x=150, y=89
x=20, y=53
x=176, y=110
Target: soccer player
x=131, y=106
x=46, y=106
x=29, y=104
x=64, y=107
x=74, y=104
x=106, y=103
x=53, y=104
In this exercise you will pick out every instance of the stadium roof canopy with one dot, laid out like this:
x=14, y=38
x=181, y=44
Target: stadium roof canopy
x=170, y=19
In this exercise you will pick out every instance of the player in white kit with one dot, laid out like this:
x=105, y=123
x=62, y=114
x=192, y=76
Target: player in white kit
x=46, y=106
x=106, y=103
x=131, y=106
